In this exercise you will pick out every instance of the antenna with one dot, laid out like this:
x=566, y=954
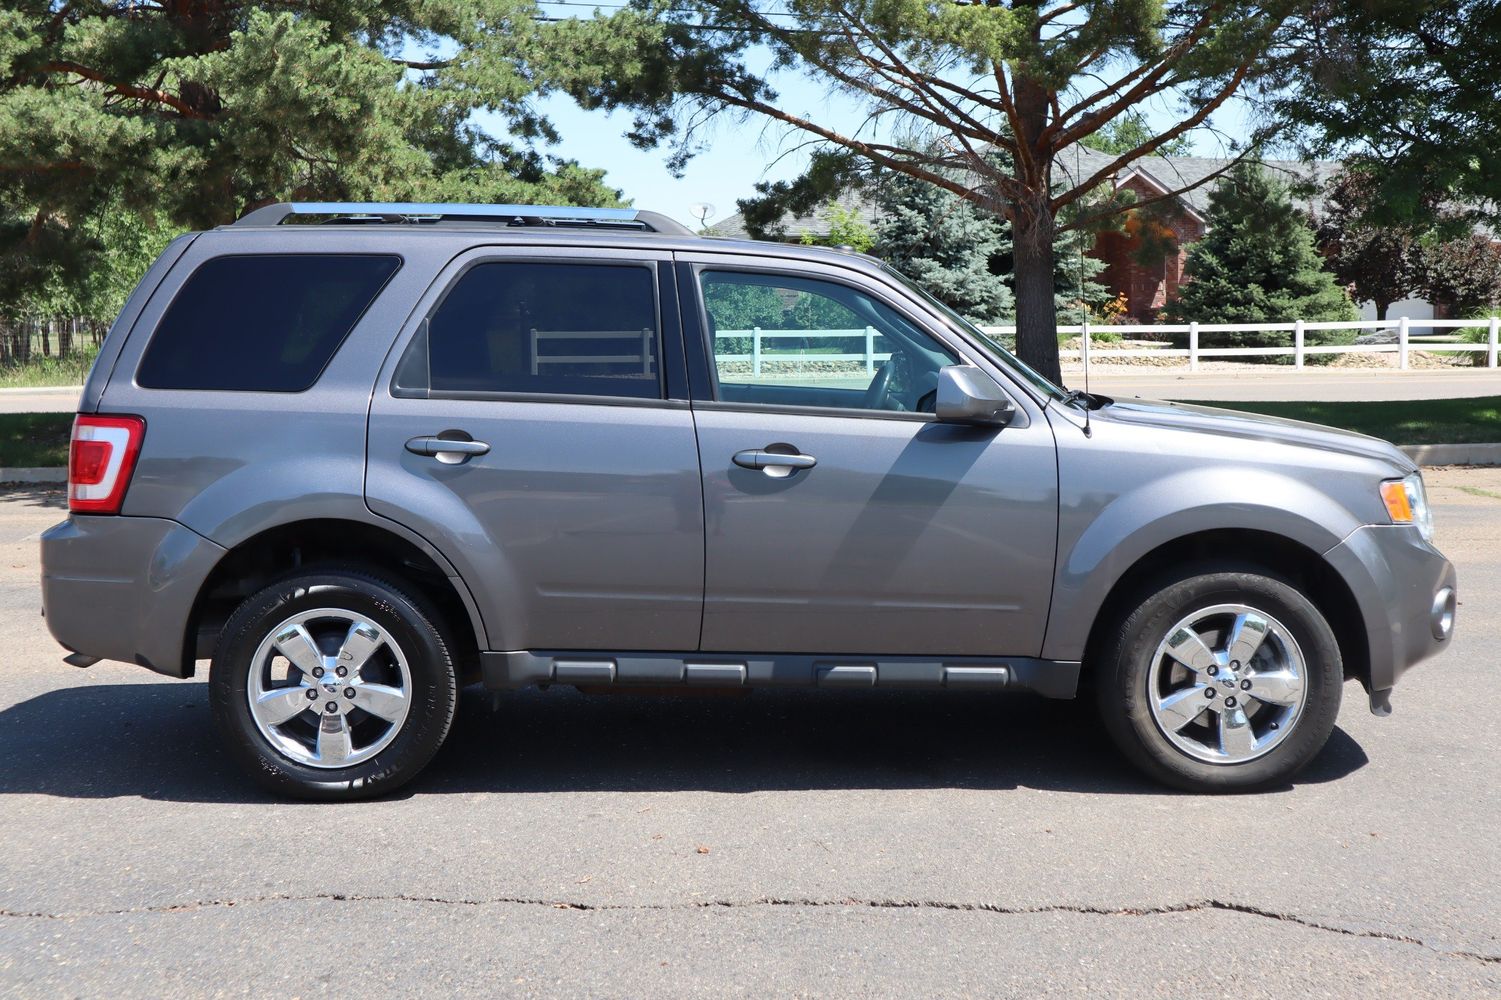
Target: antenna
x=702, y=211
x=1083, y=313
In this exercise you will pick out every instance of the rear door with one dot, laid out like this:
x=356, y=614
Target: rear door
x=865, y=527
x=532, y=423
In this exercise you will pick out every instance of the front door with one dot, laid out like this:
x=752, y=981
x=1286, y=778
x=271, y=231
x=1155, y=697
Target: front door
x=527, y=431
x=840, y=517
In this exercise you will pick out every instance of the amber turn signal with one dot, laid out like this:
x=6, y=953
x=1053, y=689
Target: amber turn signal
x=1398, y=507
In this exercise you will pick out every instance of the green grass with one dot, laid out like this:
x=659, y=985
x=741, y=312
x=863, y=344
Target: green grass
x=1417, y=421
x=42, y=372
x=31, y=440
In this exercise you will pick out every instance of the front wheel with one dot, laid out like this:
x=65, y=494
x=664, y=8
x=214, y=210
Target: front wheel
x=333, y=684
x=1222, y=681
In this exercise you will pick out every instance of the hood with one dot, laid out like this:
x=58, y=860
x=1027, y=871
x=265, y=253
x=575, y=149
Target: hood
x=1252, y=426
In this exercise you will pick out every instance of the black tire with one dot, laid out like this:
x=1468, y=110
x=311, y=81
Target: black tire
x=1127, y=661
x=414, y=625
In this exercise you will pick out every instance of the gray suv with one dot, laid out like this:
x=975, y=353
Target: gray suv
x=360, y=455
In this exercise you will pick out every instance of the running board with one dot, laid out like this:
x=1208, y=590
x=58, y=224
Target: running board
x=1050, y=678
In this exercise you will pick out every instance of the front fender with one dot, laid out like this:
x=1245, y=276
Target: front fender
x=1101, y=538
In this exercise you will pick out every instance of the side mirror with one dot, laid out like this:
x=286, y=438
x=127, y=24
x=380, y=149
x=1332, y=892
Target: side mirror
x=966, y=395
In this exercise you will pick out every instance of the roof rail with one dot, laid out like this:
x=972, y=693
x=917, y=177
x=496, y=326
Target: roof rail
x=512, y=215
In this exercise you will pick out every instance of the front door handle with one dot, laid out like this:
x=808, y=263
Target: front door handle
x=448, y=447
x=776, y=460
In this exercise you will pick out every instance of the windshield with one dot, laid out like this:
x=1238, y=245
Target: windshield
x=990, y=344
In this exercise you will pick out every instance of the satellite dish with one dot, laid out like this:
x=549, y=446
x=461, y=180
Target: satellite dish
x=701, y=210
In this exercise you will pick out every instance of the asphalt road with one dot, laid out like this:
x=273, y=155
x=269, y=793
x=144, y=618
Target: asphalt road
x=770, y=845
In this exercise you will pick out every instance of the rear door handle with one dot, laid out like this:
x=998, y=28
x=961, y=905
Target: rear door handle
x=448, y=450
x=761, y=458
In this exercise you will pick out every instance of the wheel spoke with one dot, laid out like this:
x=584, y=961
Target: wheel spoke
x=1185, y=646
x=1237, y=739
x=1182, y=707
x=283, y=704
x=334, y=741
x=363, y=640
x=1246, y=637
x=378, y=699
x=1276, y=687
x=298, y=647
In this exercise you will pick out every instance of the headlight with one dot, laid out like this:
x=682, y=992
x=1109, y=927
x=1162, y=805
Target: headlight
x=1407, y=503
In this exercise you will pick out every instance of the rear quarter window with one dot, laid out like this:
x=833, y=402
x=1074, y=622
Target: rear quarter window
x=261, y=323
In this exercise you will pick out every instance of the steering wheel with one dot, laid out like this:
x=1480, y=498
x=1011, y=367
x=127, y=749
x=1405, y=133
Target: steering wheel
x=879, y=391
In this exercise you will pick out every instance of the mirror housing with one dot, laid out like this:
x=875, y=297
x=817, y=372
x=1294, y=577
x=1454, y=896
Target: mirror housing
x=966, y=395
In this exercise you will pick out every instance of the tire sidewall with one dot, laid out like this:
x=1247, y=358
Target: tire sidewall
x=407, y=619
x=1124, y=700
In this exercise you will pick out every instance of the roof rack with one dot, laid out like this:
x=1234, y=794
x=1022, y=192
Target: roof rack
x=411, y=213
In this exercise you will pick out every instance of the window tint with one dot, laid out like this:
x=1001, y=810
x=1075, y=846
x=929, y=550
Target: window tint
x=575, y=329
x=262, y=323
x=793, y=341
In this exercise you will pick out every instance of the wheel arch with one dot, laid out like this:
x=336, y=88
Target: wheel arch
x=274, y=552
x=1243, y=549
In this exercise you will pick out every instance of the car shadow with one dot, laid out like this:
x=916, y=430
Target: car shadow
x=53, y=496
x=156, y=741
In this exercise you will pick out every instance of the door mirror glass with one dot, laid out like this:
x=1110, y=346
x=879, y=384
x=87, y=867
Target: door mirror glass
x=966, y=395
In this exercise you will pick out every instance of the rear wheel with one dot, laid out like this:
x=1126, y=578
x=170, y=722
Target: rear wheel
x=333, y=684
x=1223, y=681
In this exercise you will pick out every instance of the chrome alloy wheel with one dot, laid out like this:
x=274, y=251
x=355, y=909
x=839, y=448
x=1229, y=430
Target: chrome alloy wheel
x=329, y=688
x=1227, y=684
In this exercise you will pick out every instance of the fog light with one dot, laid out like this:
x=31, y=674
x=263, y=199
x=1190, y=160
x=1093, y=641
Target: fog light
x=1442, y=617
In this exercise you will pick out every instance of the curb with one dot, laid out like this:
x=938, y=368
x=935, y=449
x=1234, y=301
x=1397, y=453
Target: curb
x=33, y=476
x=1454, y=454
x=35, y=390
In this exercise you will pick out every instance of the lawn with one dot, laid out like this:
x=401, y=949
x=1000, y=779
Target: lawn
x=30, y=440
x=1418, y=421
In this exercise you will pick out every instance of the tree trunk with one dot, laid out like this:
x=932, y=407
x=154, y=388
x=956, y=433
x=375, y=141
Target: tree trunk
x=1381, y=308
x=1036, y=309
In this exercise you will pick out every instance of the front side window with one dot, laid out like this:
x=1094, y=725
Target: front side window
x=261, y=323
x=563, y=328
x=793, y=341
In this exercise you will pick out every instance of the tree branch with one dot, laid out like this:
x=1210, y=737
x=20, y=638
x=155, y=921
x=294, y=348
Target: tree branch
x=148, y=94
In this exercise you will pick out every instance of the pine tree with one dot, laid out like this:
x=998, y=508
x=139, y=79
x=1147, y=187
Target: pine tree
x=188, y=114
x=949, y=246
x=1257, y=264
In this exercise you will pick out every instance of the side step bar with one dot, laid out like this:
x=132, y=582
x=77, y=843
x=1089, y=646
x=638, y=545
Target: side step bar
x=1050, y=678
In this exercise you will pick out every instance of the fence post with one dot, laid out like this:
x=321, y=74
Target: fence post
x=870, y=350
x=1084, y=347
x=1298, y=344
x=1193, y=346
x=1490, y=352
x=755, y=350
x=1402, y=343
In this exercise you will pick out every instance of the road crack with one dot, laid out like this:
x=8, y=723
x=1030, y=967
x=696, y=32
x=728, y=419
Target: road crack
x=1194, y=906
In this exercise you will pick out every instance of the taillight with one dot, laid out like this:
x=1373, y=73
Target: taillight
x=101, y=458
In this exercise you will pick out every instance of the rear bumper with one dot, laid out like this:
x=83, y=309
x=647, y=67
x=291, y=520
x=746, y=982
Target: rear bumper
x=1396, y=578
x=122, y=588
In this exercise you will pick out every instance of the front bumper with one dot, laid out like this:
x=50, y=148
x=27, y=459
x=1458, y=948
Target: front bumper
x=122, y=588
x=1398, y=581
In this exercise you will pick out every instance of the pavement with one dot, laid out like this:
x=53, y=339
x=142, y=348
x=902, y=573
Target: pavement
x=776, y=844
x=61, y=399
x=1250, y=384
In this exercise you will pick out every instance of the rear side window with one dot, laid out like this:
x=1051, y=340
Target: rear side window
x=264, y=323
x=524, y=327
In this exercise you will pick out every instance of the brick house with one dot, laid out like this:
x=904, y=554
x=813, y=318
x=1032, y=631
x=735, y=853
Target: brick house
x=1144, y=258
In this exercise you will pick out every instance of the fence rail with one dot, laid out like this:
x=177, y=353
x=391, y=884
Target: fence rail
x=1298, y=351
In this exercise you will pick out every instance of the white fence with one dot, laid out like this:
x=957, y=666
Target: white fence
x=865, y=338
x=1298, y=351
